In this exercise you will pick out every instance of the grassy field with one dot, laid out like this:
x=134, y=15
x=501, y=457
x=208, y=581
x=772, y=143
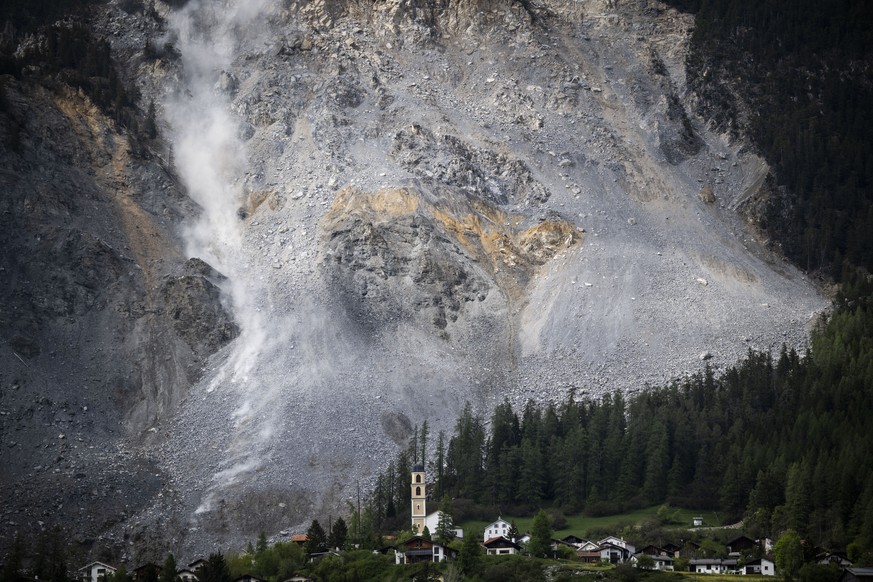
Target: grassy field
x=580, y=525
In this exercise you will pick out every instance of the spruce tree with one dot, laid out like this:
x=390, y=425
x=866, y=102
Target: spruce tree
x=316, y=539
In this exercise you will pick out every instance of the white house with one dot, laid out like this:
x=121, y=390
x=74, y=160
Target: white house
x=432, y=521
x=615, y=549
x=419, y=549
x=94, y=571
x=186, y=575
x=613, y=554
x=659, y=562
x=628, y=548
x=712, y=565
x=496, y=529
x=761, y=567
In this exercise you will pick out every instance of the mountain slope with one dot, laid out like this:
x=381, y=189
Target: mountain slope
x=418, y=204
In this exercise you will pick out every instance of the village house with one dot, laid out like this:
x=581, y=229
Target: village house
x=588, y=556
x=659, y=561
x=94, y=572
x=614, y=550
x=573, y=540
x=186, y=575
x=741, y=544
x=839, y=558
x=712, y=565
x=419, y=549
x=496, y=529
x=760, y=567
x=432, y=521
x=621, y=543
x=500, y=546
x=196, y=564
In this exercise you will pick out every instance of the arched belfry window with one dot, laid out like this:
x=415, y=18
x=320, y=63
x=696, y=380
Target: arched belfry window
x=418, y=491
x=418, y=478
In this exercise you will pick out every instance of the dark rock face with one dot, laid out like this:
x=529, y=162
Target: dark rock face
x=104, y=319
x=192, y=301
x=400, y=267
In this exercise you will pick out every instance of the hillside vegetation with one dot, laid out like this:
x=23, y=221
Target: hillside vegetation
x=794, y=75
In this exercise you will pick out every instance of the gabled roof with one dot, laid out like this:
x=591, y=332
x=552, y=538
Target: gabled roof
x=652, y=550
x=745, y=540
x=92, y=564
x=299, y=538
x=573, y=539
x=196, y=563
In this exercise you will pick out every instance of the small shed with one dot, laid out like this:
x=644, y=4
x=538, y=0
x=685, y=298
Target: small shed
x=697, y=521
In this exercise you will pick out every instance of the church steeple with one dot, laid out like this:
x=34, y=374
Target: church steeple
x=419, y=498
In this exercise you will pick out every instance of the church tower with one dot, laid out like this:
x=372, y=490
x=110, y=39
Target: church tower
x=419, y=501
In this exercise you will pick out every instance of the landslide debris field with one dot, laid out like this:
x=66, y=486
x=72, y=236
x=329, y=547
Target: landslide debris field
x=419, y=204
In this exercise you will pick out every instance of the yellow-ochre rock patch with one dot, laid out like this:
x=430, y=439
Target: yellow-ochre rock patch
x=499, y=242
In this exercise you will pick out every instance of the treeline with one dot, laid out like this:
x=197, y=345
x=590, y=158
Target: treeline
x=803, y=69
x=783, y=441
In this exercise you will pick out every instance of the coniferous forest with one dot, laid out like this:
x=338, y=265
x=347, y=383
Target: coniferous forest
x=795, y=76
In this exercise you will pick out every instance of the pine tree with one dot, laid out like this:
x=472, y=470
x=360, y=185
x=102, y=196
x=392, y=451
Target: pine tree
x=316, y=539
x=214, y=569
x=338, y=534
x=540, y=535
x=445, y=530
x=470, y=555
x=14, y=562
x=168, y=572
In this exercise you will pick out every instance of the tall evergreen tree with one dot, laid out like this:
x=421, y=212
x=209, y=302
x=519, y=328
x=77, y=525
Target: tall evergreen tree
x=338, y=534
x=540, y=536
x=316, y=539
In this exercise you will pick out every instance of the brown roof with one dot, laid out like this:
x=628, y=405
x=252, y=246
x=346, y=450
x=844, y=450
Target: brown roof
x=299, y=538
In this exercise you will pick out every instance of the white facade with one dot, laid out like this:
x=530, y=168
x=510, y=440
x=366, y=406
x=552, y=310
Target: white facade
x=94, y=572
x=658, y=562
x=433, y=520
x=499, y=528
x=620, y=543
x=763, y=567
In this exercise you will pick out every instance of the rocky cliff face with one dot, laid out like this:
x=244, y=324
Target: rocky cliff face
x=415, y=204
x=105, y=324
